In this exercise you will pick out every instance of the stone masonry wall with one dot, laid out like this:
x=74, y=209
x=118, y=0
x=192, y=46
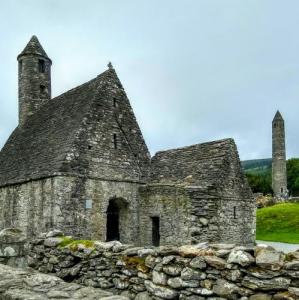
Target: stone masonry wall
x=202, y=271
x=12, y=247
x=20, y=284
x=173, y=207
x=61, y=202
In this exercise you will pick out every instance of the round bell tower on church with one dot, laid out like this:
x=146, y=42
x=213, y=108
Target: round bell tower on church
x=34, y=79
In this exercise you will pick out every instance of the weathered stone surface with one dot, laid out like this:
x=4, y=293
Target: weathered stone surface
x=17, y=284
x=240, y=257
x=192, y=251
x=172, y=270
x=224, y=288
x=270, y=259
x=293, y=265
x=52, y=242
x=159, y=278
x=294, y=291
x=159, y=291
x=215, y=262
x=260, y=296
x=222, y=246
x=191, y=274
x=54, y=233
x=284, y=296
x=198, y=263
x=143, y=296
x=277, y=283
x=12, y=235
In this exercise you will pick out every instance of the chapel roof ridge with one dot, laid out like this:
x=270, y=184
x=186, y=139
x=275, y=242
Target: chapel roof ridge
x=209, y=143
x=99, y=76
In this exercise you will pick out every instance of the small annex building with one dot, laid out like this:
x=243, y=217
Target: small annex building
x=78, y=162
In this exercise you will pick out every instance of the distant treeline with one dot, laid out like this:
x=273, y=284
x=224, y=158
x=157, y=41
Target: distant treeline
x=259, y=174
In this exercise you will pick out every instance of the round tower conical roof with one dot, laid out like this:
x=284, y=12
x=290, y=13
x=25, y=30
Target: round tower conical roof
x=278, y=116
x=34, y=48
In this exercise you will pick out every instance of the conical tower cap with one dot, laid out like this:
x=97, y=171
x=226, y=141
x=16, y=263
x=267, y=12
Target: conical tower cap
x=34, y=48
x=278, y=116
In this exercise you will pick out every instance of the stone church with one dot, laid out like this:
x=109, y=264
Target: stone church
x=78, y=162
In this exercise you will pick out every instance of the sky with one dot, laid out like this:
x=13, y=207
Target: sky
x=194, y=70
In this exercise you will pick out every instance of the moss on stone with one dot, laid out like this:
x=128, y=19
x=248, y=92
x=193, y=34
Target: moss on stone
x=66, y=240
x=74, y=244
x=135, y=262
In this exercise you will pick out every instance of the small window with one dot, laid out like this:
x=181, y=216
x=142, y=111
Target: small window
x=115, y=141
x=235, y=212
x=41, y=66
x=42, y=89
x=88, y=204
x=156, y=231
x=114, y=102
x=20, y=66
x=89, y=147
x=281, y=190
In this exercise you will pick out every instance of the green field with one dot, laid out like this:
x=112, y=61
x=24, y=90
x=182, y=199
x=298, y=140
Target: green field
x=279, y=223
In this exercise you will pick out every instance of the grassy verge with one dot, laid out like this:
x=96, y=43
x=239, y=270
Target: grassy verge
x=278, y=223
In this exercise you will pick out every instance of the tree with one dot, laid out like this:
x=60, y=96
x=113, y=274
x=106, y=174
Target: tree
x=293, y=176
x=260, y=183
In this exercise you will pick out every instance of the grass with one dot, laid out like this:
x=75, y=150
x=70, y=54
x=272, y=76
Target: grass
x=278, y=223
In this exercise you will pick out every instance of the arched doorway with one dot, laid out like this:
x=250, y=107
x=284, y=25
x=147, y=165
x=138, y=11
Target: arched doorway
x=117, y=217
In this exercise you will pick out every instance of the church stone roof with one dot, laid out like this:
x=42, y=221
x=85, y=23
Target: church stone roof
x=203, y=165
x=40, y=148
x=34, y=48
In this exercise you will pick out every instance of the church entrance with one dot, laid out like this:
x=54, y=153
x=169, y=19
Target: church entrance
x=116, y=219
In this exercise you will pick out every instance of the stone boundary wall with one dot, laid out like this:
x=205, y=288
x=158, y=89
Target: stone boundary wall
x=28, y=284
x=197, y=272
x=13, y=248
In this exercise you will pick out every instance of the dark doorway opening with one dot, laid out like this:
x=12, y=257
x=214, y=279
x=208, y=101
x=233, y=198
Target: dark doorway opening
x=112, y=222
x=156, y=231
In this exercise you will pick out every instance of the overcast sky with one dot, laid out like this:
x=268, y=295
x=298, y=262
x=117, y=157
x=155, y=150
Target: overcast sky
x=194, y=70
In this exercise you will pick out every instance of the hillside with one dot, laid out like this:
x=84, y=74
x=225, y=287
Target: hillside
x=257, y=166
x=279, y=223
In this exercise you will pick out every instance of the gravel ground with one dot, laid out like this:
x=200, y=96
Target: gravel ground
x=281, y=246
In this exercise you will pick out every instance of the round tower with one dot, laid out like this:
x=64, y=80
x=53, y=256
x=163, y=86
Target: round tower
x=34, y=79
x=279, y=170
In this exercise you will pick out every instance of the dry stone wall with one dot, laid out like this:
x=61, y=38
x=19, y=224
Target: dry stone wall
x=195, y=272
x=27, y=284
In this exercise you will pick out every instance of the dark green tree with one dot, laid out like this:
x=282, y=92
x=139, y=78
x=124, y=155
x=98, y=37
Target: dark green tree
x=260, y=183
x=293, y=176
